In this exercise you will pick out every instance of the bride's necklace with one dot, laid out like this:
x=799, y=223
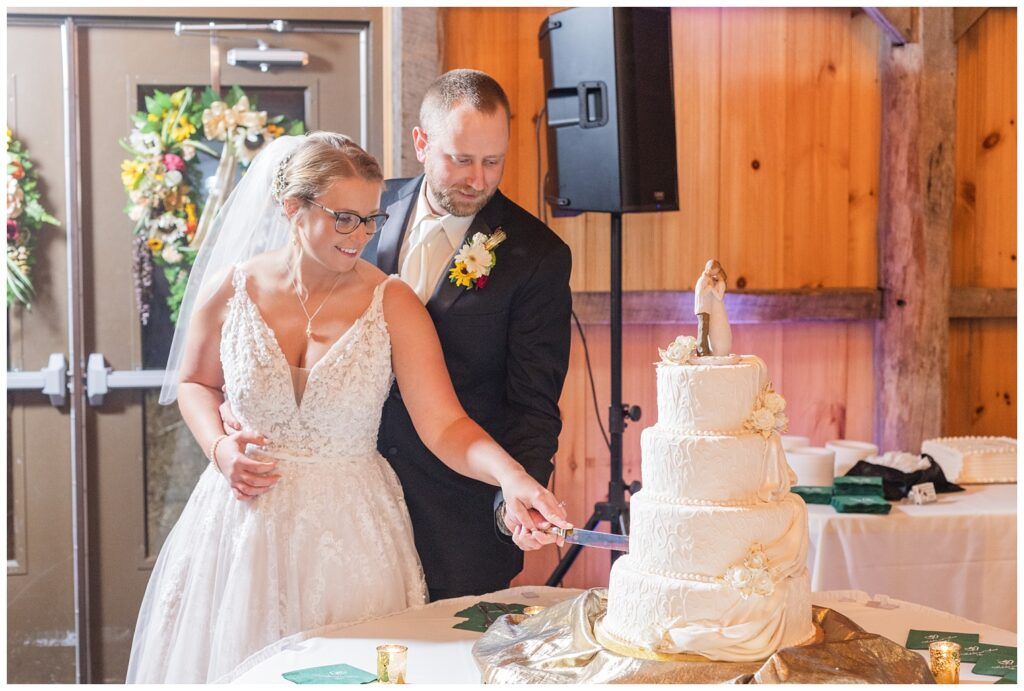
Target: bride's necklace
x=302, y=304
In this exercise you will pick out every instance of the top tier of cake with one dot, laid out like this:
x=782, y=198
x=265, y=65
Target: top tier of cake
x=715, y=399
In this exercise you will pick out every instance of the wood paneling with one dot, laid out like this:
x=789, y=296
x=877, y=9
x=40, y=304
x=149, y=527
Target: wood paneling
x=982, y=353
x=984, y=250
x=796, y=90
x=982, y=377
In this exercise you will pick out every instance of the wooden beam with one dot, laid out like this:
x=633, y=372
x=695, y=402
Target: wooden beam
x=964, y=18
x=983, y=303
x=915, y=218
x=744, y=307
x=899, y=24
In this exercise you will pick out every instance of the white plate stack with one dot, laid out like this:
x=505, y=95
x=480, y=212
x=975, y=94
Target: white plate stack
x=812, y=464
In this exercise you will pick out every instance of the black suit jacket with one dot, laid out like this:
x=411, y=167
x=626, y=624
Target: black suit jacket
x=507, y=350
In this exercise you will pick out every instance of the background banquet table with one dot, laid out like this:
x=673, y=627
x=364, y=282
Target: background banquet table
x=440, y=654
x=958, y=555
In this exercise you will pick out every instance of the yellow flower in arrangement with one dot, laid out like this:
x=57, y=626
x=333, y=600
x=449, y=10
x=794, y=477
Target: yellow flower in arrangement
x=274, y=130
x=152, y=117
x=10, y=136
x=461, y=276
x=131, y=174
x=155, y=244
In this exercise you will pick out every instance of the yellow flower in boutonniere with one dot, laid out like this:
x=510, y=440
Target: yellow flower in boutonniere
x=461, y=276
x=155, y=244
x=475, y=259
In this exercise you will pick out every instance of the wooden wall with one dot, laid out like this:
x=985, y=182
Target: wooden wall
x=982, y=352
x=778, y=129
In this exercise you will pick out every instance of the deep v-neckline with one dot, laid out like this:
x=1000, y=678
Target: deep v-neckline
x=280, y=351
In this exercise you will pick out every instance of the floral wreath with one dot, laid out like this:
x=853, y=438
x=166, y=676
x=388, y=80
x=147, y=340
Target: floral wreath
x=163, y=179
x=25, y=216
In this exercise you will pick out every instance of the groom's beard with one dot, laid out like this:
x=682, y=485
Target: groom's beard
x=445, y=197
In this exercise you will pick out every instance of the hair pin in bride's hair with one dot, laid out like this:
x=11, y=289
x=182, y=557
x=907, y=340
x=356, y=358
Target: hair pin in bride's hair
x=280, y=181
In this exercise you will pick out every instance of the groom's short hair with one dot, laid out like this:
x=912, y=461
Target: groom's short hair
x=455, y=87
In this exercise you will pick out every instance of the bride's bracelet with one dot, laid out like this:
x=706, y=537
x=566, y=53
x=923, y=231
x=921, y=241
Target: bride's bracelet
x=213, y=452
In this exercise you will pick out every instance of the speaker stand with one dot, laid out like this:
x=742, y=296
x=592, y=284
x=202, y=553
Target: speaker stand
x=616, y=509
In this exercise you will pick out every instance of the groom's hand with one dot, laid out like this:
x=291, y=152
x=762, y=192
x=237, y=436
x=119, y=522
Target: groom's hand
x=227, y=415
x=526, y=539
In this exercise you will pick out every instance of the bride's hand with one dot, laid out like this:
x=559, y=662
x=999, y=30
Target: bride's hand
x=248, y=478
x=522, y=493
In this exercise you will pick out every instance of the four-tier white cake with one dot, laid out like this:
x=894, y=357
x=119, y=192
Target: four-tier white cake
x=718, y=544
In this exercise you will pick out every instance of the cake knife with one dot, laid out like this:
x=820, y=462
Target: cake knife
x=592, y=538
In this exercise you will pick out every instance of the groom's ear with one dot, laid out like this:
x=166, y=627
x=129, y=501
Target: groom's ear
x=419, y=143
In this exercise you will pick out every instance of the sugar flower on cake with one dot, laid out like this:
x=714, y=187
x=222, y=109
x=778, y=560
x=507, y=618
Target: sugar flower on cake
x=752, y=577
x=679, y=351
x=768, y=415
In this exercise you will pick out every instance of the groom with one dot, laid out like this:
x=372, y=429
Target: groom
x=505, y=340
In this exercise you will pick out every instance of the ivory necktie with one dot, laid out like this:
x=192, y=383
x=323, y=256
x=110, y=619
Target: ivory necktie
x=420, y=267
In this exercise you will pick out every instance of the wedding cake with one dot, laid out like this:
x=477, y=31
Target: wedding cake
x=718, y=544
x=975, y=460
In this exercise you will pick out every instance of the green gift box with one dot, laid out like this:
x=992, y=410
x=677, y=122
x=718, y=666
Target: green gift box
x=856, y=504
x=813, y=495
x=859, y=485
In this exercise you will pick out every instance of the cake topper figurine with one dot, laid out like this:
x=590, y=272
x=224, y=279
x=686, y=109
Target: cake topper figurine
x=714, y=337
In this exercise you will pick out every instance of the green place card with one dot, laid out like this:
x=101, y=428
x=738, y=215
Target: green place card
x=919, y=640
x=859, y=504
x=330, y=674
x=858, y=485
x=997, y=663
x=972, y=651
x=1009, y=678
x=813, y=495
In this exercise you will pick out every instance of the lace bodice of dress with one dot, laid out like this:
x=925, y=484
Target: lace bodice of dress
x=340, y=409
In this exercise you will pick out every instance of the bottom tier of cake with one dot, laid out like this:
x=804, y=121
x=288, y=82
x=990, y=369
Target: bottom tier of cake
x=710, y=618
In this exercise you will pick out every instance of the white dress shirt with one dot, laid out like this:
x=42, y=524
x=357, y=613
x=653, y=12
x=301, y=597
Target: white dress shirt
x=427, y=252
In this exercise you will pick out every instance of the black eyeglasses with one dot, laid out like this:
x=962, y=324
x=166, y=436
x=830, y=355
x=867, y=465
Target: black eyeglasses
x=347, y=221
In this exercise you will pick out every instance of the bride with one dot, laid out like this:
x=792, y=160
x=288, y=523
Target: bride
x=298, y=522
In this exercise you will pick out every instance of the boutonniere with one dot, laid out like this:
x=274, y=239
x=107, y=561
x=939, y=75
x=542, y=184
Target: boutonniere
x=475, y=260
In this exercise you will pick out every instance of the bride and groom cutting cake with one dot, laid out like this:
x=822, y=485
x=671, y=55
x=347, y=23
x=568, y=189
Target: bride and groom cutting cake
x=388, y=364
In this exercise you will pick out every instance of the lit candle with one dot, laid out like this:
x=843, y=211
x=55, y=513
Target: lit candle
x=391, y=663
x=945, y=661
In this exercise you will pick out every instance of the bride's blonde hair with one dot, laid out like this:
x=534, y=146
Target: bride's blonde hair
x=321, y=159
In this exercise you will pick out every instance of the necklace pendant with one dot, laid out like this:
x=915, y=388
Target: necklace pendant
x=309, y=331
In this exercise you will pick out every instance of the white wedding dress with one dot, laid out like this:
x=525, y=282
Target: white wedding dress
x=330, y=543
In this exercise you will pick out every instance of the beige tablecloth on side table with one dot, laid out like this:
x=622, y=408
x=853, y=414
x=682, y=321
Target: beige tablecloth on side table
x=958, y=555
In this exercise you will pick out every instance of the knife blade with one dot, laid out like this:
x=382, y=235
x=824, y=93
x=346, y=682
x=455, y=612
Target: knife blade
x=592, y=538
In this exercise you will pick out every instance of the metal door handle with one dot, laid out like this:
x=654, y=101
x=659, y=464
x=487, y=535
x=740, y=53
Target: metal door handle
x=100, y=379
x=52, y=380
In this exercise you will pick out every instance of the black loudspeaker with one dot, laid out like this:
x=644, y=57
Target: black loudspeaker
x=610, y=109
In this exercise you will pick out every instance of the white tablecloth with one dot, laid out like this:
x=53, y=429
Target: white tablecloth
x=958, y=555
x=439, y=654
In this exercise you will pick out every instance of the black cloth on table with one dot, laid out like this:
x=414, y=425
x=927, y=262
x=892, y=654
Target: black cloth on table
x=896, y=484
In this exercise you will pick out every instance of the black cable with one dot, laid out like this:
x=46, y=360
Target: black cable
x=541, y=211
x=590, y=374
